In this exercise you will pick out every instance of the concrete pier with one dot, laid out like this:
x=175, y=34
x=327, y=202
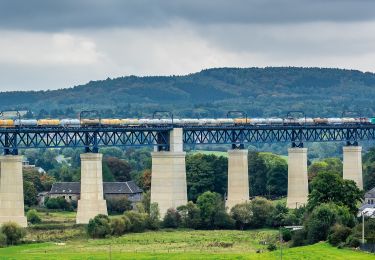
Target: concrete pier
x=352, y=164
x=297, y=177
x=168, y=179
x=238, y=178
x=91, y=202
x=11, y=190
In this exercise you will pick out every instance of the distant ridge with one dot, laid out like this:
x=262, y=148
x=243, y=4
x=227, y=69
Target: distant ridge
x=270, y=91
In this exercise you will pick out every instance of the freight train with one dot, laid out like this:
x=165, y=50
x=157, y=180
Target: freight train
x=105, y=122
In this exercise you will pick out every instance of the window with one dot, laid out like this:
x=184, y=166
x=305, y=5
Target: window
x=70, y=197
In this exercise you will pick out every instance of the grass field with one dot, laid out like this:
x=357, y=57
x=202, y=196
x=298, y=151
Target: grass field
x=58, y=237
x=181, y=244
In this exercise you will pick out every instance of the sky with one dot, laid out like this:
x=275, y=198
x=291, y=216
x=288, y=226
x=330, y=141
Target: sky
x=46, y=44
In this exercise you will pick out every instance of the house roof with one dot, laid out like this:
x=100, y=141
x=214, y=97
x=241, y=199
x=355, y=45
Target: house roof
x=370, y=193
x=128, y=187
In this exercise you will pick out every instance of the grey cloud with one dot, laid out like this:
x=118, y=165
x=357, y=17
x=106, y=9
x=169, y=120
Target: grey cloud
x=47, y=15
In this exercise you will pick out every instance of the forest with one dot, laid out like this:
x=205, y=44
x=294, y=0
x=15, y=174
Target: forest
x=270, y=91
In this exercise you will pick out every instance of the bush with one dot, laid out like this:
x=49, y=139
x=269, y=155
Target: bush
x=286, y=234
x=33, y=217
x=118, y=226
x=338, y=234
x=223, y=220
x=118, y=205
x=210, y=204
x=3, y=239
x=99, y=226
x=137, y=221
x=58, y=203
x=299, y=238
x=172, y=219
x=353, y=242
x=13, y=233
x=271, y=247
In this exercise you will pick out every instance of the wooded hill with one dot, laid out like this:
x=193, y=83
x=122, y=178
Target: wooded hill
x=269, y=91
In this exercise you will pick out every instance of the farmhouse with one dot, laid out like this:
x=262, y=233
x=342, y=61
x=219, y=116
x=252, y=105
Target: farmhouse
x=112, y=190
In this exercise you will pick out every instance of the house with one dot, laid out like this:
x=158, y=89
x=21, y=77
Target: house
x=368, y=206
x=370, y=197
x=112, y=190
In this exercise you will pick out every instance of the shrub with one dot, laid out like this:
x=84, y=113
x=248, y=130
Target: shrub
x=210, y=204
x=338, y=234
x=172, y=219
x=118, y=205
x=286, y=234
x=299, y=238
x=271, y=247
x=137, y=221
x=3, y=239
x=33, y=217
x=13, y=233
x=353, y=242
x=223, y=220
x=58, y=203
x=99, y=226
x=118, y=226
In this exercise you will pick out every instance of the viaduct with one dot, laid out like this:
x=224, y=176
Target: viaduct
x=168, y=184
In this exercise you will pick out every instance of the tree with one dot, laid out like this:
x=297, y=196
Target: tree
x=118, y=205
x=137, y=220
x=146, y=179
x=212, y=210
x=153, y=217
x=107, y=174
x=329, y=187
x=120, y=169
x=262, y=210
x=242, y=214
x=172, y=219
x=30, y=193
x=369, y=169
x=190, y=215
x=318, y=224
x=257, y=174
x=333, y=165
x=206, y=173
x=146, y=201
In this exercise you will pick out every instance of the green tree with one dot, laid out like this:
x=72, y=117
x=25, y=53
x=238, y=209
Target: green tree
x=257, y=174
x=206, y=173
x=172, y=219
x=242, y=214
x=212, y=210
x=154, y=217
x=330, y=187
x=190, y=215
x=120, y=169
x=30, y=193
x=262, y=210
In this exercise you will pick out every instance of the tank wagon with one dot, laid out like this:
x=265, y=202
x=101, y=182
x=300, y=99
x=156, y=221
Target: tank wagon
x=133, y=122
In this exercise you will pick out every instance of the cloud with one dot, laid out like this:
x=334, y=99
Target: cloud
x=46, y=15
x=45, y=49
x=55, y=44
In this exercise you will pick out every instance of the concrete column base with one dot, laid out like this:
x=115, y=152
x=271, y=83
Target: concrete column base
x=11, y=190
x=352, y=164
x=168, y=180
x=238, y=178
x=298, y=190
x=91, y=202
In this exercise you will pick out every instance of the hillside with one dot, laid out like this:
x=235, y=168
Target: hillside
x=260, y=92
